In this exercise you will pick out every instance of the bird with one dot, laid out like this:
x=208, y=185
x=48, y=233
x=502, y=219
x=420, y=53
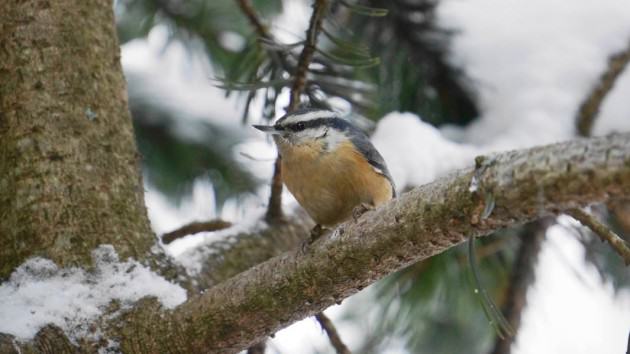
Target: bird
x=329, y=165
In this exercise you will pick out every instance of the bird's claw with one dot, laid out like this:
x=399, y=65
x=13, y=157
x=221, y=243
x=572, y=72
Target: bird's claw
x=315, y=233
x=360, y=210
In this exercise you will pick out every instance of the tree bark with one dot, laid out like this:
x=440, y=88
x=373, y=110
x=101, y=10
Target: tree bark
x=69, y=175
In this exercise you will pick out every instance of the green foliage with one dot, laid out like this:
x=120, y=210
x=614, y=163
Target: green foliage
x=173, y=160
x=416, y=75
x=214, y=23
x=432, y=304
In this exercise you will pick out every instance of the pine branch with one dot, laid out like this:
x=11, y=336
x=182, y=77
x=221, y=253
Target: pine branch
x=591, y=105
x=274, y=209
x=249, y=11
x=195, y=227
x=331, y=331
x=310, y=44
x=618, y=244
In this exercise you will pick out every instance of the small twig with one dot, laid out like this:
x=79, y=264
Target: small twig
x=590, y=106
x=265, y=36
x=250, y=12
x=195, y=227
x=274, y=209
x=331, y=331
x=617, y=243
x=314, y=28
x=258, y=348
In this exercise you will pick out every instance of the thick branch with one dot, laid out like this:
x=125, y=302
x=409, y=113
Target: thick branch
x=524, y=185
x=248, y=9
x=223, y=260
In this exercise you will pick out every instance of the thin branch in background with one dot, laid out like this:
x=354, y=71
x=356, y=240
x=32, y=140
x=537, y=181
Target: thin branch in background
x=591, y=105
x=252, y=16
x=314, y=28
x=620, y=209
x=274, y=210
x=523, y=272
x=195, y=227
x=606, y=234
x=258, y=348
x=331, y=331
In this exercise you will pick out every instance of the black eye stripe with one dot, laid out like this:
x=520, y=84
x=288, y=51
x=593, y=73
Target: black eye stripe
x=315, y=123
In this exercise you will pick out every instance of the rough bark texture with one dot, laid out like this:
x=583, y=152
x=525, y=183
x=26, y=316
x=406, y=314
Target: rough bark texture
x=522, y=185
x=242, y=251
x=69, y=175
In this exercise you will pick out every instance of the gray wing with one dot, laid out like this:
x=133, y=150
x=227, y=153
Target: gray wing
x=363, y=144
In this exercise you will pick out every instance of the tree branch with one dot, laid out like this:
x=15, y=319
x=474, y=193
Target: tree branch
x=331, y=331
x=314, y=27
x=194, y=228
x=274, y=210
x=249, y=11
x=525, y=185
x=604, y=232
x=590, y=107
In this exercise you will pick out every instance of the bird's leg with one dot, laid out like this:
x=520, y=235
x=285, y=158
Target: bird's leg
x=316, y=232
x=360, y=210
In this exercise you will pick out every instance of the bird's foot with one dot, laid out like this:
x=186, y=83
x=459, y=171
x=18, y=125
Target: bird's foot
x=360, y=210
x=315, y=233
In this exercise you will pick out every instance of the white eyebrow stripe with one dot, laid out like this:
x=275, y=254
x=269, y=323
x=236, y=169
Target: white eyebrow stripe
x=304, y=117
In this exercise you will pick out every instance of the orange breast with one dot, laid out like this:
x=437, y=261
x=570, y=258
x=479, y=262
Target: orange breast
x=330, y=185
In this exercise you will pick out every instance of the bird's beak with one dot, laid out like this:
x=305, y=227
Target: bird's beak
x=269, y=129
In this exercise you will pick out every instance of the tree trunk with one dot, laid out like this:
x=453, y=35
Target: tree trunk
x=69, y=176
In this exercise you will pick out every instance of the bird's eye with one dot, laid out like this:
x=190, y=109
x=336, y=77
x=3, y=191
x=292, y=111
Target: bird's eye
x=300, y=126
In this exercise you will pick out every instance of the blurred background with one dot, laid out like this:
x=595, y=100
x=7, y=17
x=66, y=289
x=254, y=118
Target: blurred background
x=435, y=83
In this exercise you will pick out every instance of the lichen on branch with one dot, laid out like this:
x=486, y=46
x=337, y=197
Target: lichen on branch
x=524, y=185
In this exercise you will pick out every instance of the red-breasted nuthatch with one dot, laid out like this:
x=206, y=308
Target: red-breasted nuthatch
x=329, y=165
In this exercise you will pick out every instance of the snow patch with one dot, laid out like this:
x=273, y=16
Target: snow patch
x=416, y=152
x=40, y=293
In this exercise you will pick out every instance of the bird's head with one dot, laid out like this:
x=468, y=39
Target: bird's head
x=308, y=126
